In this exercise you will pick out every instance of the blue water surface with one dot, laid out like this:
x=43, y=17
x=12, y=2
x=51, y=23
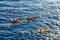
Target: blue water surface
x=47, y=13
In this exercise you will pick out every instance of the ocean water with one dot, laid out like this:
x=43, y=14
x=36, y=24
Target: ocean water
x=48, y=17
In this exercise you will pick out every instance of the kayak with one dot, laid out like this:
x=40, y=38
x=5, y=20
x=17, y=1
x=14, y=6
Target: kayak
x=43, y=30
x=31, y=17
x=10, y=10
x=16, y=20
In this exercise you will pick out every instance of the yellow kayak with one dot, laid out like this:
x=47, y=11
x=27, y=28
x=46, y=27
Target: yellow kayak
x=43, y=30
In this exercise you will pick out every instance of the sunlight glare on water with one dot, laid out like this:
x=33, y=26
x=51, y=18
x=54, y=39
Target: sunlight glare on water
x=48, y=17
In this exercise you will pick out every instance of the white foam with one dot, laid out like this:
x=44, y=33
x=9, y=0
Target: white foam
x=52, y=0
x=8, y=24
x=49, y=38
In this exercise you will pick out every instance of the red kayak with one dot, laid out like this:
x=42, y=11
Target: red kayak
x=16, y=20
x=31, y=17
